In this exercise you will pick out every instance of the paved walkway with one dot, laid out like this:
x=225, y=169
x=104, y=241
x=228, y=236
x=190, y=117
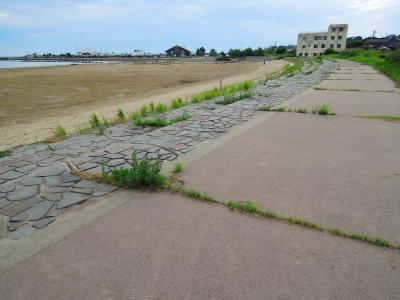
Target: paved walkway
x=36, y=181
x=340, y=171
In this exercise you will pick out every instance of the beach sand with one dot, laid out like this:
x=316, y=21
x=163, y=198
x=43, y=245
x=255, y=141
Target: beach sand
x=34, y=100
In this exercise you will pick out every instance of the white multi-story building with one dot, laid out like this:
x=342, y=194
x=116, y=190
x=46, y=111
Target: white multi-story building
x=315, y=43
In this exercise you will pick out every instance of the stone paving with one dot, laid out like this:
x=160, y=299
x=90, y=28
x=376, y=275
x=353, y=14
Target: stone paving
x=36, y=181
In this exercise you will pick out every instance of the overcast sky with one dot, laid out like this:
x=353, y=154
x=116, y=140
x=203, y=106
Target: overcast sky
x=124, y=25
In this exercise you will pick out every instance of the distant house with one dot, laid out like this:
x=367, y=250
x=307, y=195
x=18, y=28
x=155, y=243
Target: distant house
x=391, y=42
x=178, y=51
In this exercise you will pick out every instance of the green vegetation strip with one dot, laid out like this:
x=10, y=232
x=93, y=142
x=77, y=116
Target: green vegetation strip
x=254, y=209
x=383, y=118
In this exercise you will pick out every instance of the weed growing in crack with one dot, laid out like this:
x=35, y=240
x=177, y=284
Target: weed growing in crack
x=178, y=167
x=145, y=173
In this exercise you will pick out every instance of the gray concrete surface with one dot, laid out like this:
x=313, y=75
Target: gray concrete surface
x=161, y=246
x=338, y=171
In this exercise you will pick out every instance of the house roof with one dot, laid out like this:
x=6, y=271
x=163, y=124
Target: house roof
x=177, y=46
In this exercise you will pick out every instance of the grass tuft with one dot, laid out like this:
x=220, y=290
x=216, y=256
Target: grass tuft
x=120, y=115
x=177, y=103
x=99, y=125
x=59, y=131
x=178, y=167
x=302, y=110
x=265, y=108
x=143, y=174
x=383, y=118
x=4, y=153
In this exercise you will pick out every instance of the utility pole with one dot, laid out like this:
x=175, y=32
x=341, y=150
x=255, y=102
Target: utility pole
x=373, y=33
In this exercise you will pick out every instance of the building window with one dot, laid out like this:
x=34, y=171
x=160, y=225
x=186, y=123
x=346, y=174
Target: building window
x=333, y=29
x=325, y=37
x=315, y=45
x=305, y=54
x=332, y=38
x=339, y=37
x=314, y=54
x=331, y=46
x=339, y=45
x=323, y=46
x=300, y=54
x=340, y=29
x=304, y=46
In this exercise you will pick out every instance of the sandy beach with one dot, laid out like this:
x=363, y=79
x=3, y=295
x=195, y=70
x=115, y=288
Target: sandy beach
x=34, y=100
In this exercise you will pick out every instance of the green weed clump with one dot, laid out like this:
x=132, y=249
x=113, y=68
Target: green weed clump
x=280, y=109
x=302, y=110
x=144, y=173
x=99, y=125
x=158, y=122
x=383, y=118
x=323, y=109
x=178, y=167
x=4, y=153
x=232, y=98
x=222, y=91
x=120, y=115
x=59, y=131
x=265, y=108
x=177, y=103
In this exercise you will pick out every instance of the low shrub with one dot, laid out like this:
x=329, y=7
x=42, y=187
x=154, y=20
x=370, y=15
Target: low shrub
x=177, y=103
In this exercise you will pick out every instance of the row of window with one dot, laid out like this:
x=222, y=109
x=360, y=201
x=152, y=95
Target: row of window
x=306, y=54
x=323, y=46
x=324, y=38
x=339, y=28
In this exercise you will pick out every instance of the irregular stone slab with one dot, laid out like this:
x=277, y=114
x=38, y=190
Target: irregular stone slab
x=30, y=180
x=71, y=199
x=87, y=166
x=116, y=162
x=7, y=187
x=11, y=175
x=15, y=225
x=4, y=169
x=82, y=190
x=43, y=222
x=66, y=184
x=87, y=184
x=52, y=196
x=103, y=189
x=20, y=233
x=55, y=189
x=4, y=202
x=52, y=213
x=20, y=206
x=51, y=171
x=35, y=213
x=23, y=193
x=27, y=168
x=117, y=148
x=51, y=181
x=67, y=177
x=81, y=160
